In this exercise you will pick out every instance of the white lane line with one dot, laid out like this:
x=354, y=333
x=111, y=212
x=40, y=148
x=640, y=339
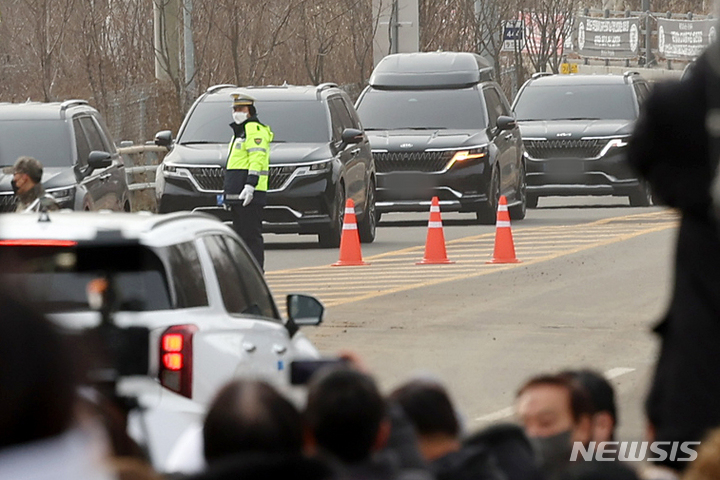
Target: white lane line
x=509, y=411
x=616, y=372
x=499, y=415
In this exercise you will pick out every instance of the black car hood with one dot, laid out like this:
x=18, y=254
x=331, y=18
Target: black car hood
x=575, y=129
x=216, y=153
x=418, y=140
x=53, y=177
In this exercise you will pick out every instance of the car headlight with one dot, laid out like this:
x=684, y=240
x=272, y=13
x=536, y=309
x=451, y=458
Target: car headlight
x=614, y=143
x=62, y=195
x=464, y=155
x=171, y=170
x=313, y=168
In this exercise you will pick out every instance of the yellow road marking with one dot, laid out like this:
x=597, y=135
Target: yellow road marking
x=395, y=271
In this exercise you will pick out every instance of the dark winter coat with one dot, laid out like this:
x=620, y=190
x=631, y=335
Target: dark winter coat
x=671, y=148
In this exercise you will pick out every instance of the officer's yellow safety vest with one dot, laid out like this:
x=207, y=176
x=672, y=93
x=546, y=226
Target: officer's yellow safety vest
x=252, y=153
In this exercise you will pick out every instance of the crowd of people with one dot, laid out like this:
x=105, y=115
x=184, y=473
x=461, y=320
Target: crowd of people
x=51, y=427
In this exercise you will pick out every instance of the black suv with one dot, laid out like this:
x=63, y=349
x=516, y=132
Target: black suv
x=318, y=158
x=439, y=126
x=81, y=167
x=575, y=129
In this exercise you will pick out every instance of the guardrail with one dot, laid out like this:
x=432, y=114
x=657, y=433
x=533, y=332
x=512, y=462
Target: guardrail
x=141, y=163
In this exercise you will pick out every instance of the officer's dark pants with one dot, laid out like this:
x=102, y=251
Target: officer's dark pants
x=247, y=222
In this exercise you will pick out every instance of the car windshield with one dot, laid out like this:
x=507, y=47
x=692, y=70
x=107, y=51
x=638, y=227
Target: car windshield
x=53, y=286
x=45, y=140
x=575, y=102
x=291, y=122
x=460, y=109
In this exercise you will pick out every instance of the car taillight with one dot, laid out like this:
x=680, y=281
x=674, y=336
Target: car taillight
x=37, y=243
x=176, y=359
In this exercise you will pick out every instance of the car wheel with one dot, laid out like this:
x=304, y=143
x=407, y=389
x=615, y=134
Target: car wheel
x=366, y=227
x=643, y=197
x=487, y=213
x=517, y=212
x=329, y=237
x=532, y=200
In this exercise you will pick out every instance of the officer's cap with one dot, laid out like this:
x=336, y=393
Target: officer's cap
x=242, y=100
x=29, y=166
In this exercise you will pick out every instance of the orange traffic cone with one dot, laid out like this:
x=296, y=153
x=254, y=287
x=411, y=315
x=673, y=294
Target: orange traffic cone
x=435, y=244
x=504, y=248
x=350, y=253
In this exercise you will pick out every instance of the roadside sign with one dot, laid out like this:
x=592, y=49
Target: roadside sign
x=567, y=68
x=513, y=36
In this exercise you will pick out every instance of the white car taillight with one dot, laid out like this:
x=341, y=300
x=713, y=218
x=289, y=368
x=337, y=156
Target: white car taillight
x=176, y=359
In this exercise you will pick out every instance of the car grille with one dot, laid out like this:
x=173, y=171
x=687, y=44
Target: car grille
x=278, y=177
x=564, y=148
x=209, y=178
x=213, y=178
x=7, y=203
x=412, y=161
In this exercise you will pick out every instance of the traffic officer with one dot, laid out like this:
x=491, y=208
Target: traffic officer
x=246, y=173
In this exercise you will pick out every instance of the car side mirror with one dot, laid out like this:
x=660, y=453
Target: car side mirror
x=505, y=123
x=304, y=310
x=164, y=138
x=350, y=136
x=98, y=159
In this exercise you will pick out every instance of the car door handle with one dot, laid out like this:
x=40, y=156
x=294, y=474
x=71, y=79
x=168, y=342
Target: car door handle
x=279, y=349
x=249, y=347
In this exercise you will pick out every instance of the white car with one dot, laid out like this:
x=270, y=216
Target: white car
x=186, y=277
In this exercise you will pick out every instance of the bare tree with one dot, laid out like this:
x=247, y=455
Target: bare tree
x=47, y=20
x=548, y=24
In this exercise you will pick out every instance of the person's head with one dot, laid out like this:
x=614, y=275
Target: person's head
x=428, y=407
x=555, y=412
x=243, y=107
x=707, y=464
x=345, y=415
x=251, y=416
x=602, y=396
x=27, y=172
x=37, y=380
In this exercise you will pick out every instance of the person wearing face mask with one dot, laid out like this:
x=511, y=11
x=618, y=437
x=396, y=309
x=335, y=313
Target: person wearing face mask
x=246, y=173
x=29, y=193
x=555, y=412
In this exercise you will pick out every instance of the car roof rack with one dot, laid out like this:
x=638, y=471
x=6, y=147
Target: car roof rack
x=215, y=88
x=541, y=74
x=324, y=86
x=71, y=103
x=630, y=73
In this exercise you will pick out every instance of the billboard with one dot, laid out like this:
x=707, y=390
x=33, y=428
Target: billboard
x=608, y=37
x=684, y=39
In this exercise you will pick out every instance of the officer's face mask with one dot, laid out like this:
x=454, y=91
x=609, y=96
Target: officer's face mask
x=239, y=117
x=553, y=452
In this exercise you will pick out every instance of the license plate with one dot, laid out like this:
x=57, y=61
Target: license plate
x=572, y=166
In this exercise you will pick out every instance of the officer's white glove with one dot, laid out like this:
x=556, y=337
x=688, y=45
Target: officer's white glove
x=247, y=195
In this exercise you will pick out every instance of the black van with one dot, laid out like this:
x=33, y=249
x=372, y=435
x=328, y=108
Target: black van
x=318, y=159
x=439, y=126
